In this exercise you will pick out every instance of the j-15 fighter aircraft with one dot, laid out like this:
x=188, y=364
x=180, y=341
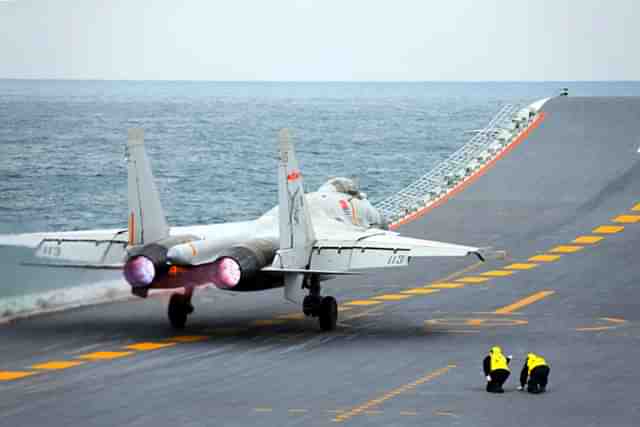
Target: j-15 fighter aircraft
x=306, y=239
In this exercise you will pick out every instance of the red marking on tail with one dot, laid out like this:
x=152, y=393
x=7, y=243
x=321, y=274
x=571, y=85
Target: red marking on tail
x=293, y=176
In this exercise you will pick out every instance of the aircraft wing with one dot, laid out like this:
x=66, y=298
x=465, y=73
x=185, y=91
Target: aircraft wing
x=82, y=249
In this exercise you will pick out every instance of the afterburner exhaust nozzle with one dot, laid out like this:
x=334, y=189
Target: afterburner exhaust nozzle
x=139, y=271
x=227, y=273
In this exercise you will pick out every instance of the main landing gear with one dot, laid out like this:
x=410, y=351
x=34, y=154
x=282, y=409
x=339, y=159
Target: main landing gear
x=179, y=308
x=314, y=305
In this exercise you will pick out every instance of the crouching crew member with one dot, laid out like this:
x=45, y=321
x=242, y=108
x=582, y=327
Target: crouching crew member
x=535, y=374
x=496, y=369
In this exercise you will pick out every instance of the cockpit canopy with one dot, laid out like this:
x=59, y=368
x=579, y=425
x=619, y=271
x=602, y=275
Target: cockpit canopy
x=342, y=185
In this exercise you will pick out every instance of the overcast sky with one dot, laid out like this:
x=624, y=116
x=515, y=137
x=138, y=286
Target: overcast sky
x=321, y=39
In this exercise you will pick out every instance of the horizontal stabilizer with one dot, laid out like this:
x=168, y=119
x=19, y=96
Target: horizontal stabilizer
x=307, y=271
x=78, y=266
x=380, y=249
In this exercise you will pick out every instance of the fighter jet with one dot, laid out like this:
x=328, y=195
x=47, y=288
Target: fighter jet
x=303, y=241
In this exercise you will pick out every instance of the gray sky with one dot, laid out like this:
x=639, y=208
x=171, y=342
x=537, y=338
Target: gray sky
x=320, y=40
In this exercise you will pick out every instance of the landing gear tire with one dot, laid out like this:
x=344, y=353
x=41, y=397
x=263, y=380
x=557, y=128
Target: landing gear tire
x=328, y=313
x=311, y=304
x=179, y=308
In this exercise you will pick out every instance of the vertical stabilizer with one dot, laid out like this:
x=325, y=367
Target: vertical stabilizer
x=147, y=222
x=296, y=231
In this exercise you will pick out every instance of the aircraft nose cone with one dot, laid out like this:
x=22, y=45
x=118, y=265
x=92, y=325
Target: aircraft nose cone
x=227, y=274
x=139, y=271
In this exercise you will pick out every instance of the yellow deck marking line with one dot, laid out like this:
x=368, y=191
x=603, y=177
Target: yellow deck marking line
x=521, y=266
x=472, y=279
x=263, y=409
x=626, y=219
x=497, y=273
x=566, y=249
x=587, y=239
x=446, y=285
x=445, y=414
x=420, y=291
x=616, y=324
x=268, y=322
x=105, y=355
x=14, y=375
x=373, y=403
x=476, y=323
x=614, y=320
x=372, y=412
x=291, y=316
x=298, y=411
x=358, y=302
x=595, y=328
x=146, y=346
x=608, y=229
x=544, y=258
x=375, y=310
x=188, y=338
x=524, y=302
x=636, y=208
x=391, y=297
x=224, y=331
x=56, y=365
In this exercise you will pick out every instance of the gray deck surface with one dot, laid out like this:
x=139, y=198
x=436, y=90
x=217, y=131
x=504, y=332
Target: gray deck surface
x=577, y=171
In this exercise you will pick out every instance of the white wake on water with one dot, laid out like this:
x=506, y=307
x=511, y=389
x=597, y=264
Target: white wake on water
x=13, y=308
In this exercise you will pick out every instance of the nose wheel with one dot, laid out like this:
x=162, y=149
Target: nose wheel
x=324, y=308
x=179, y=309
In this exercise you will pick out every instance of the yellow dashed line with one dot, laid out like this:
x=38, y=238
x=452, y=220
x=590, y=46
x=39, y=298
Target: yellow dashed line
x=224, y=331
x=146, y=346
x=521, y=266
x=445, y=414
x=56, y=365
x=363, y=302
x=566, y=249
x=368, y=406
x=14, y=375
x=268, y=322
x=608, y=229
x=626, y=219
x=472, y=279
x=446, y=285
x=189, y=338
x=614, y=320
x=524, y=302
x=105, y=355
x=391, y=297
x=420, y=291
x=297, y=411
x=292, y=316
x=587, y=239
x=263, y=409
x=497, y=273
x=544, y=258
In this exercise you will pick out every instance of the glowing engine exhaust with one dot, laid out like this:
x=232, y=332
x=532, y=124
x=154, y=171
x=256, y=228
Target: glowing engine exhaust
x=226, y=273
x=139, y=271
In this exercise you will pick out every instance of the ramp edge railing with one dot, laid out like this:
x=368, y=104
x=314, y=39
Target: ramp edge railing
x=486, y=144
